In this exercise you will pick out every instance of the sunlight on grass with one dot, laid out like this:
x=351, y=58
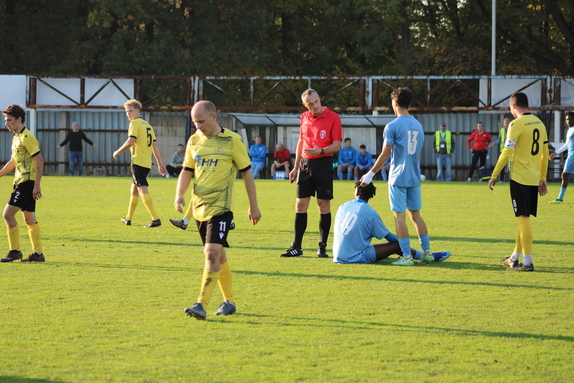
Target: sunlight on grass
x=107, y=306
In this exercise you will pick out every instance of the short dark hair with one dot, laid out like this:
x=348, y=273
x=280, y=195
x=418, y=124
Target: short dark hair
x=403, y=96
x=15, y=111
x=570, y=114
x=365, y=192
x=347, y=139
x=520, y=99
x=362, y=147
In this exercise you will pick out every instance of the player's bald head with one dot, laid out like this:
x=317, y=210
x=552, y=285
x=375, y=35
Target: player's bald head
x=204, y=107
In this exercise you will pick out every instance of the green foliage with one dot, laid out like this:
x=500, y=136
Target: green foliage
x=107, y=306
x=312, y=37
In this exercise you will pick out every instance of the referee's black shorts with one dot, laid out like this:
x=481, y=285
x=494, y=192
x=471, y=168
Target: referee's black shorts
x=524, y=199
x=315, y=177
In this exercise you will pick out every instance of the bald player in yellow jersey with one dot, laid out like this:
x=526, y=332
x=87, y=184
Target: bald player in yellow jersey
x=526, y=150
x=213, y=155
x=142, y=144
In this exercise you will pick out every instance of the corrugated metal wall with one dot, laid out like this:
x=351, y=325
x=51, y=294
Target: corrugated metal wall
x=108, y=129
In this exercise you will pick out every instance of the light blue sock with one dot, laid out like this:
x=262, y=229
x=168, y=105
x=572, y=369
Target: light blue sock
x=340, y=174
x=384, y=174
x=350, y=174
x=356, y=178
x=405, y=244
x=425, y=242
x=561, y=195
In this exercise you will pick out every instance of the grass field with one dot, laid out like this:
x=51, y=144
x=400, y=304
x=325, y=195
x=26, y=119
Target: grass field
x=107, y=306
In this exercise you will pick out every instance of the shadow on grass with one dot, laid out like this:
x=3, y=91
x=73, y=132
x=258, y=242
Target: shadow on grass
x=16, y=379
x=509, y=241
x=402, y=327
x=444, y=282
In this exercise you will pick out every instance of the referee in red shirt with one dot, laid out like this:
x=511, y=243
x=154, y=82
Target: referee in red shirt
x=319, y=137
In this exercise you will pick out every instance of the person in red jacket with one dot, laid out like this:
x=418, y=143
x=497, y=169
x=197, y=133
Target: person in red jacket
x=480, y=143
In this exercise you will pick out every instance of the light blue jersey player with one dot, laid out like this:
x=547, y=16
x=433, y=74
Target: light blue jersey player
x=569, y=164
x=357, y=223
x=403, y=142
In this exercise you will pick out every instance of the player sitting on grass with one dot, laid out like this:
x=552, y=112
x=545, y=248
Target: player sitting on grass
x=357, y=223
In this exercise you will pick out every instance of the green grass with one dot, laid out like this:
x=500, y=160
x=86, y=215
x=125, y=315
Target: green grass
x=107, y=306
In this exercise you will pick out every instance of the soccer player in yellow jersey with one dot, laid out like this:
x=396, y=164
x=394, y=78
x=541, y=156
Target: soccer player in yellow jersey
x=526, y=148
x=28, y=164
x=141, y=143
x=213, y=155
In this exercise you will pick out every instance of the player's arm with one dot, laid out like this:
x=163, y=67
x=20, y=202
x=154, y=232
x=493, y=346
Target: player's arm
x=501, y=163
x=126, y=146
x=7, y=168
x=157, y=156
x=542, y=187
x=37, y=192
x=385, y=154
x=253, y=213
x=183, y=182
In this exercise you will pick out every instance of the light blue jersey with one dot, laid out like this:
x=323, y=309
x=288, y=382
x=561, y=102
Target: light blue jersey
x=356, y=223
x=347, y=155
x=568, y=145
x=406, y=135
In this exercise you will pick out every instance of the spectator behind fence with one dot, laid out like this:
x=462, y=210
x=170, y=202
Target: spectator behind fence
x=176, y=163
x=444, y=147
x=480, y=143
x=75, y=152
x=363, y=162
x=281, y=160
x=500, y=142
x=257, y=152
x=347, y=157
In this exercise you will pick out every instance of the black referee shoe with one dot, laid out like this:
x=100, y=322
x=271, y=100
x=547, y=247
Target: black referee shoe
x=292, y=252
x=322, y=251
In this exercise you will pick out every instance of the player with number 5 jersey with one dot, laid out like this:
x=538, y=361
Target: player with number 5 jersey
x=141, y=144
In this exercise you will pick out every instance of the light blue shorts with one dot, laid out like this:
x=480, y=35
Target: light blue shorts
x=403, y=198
x=569, y=165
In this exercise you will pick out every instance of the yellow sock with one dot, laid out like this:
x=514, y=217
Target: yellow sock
x=34, y=234
x=208, y=283
x=132, y=207
x=225, y=282
x=148, y=203
x=14, y=237
x=518, y=245
x=525, y=234
x=189, y=211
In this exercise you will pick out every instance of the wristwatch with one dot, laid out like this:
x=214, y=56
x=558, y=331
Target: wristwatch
x=322, y=151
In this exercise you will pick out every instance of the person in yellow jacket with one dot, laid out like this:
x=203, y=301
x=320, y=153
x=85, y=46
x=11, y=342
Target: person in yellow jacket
x=504, y=176
x=444, y=147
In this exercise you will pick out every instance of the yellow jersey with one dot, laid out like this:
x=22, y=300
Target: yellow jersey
x=526, y=150
x=215, y=162
x=142, y=150
x=24, y=147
